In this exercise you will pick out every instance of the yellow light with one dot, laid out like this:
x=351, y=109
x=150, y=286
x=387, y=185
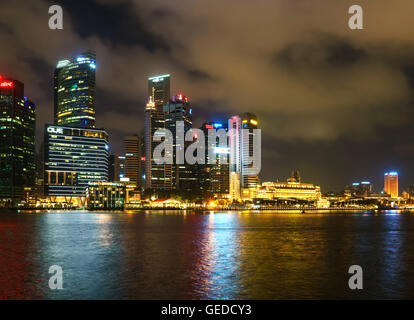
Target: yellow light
x=254, y=122
x=244, y=121
x=64, y=114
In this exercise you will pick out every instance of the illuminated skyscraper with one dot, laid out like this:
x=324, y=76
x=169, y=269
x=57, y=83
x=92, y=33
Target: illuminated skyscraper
x=74, y=87
x=157, y=176
x=73, y=158
x=391, y=184
x=248, y=179
x=133, y=159
x=179, y=109
x=218, y=167
x=235, y=157
x=17, y=142
x=159, y=90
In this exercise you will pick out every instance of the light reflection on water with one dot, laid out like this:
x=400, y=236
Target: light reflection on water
x=168, y=255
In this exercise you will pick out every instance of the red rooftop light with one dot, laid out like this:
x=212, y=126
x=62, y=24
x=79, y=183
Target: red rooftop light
x=6, y=84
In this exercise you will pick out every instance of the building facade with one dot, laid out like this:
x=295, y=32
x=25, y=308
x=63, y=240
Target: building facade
x=132, y=145
x=74, y=91
x=73, y=158
x=17, y=147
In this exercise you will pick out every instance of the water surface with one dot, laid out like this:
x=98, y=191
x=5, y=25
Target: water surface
x=169, y=255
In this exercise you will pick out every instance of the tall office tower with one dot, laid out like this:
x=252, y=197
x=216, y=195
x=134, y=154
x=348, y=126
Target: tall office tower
x=179, y=109
x=157, y=176
x=73, y=158
x=234, y=128
x=391, y=184
x=132, y=145
x=218, y=167
x=159, y=90
x=248, y=181
x=74, y=86
x=113, y=168
x=17, y=142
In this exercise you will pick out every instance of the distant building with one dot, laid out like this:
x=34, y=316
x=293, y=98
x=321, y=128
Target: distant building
x=391, y=184
x=73, y=158
x=17, y=142
x=360, y=189
x=75, y=91
x=132, y=145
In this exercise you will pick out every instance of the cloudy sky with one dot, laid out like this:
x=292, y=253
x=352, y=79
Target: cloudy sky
x=333, y=103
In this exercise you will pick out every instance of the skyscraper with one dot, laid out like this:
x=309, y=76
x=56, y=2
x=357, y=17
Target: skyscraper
x=235, y=157
x=17, y=142
x=73, y=158
x=157, y=176
x=248, y=180
x=133, y=159
x=74, y=91
x=218, y=167
x=391, y=184
x=178, y=109
x=159, y=90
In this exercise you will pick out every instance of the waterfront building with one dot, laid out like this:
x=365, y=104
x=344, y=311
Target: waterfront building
x=132, y=145
x=109, y=195
x=75, y=92
x=289, y=190
x=73, y=158
x=17, y=147
x=391, y=184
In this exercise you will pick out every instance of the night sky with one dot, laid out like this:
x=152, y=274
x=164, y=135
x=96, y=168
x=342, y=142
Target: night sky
x=333, y=103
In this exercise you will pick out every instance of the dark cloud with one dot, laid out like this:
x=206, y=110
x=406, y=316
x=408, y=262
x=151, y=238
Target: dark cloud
x=333, y=103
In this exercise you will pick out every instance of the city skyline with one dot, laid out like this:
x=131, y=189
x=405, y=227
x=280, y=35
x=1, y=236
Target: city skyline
x=367, y=145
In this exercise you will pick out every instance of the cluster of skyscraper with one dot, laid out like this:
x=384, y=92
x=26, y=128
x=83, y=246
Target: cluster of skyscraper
x=76, y=154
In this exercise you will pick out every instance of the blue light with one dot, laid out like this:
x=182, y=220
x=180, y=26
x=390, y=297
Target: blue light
x=191, y=111
x=92, y=65
x=217, y=125
x=355, y=184
x=365, y=182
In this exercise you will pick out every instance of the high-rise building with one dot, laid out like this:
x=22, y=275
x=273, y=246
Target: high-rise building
x=159, y=90
x=391, y=184
x=74, y=87
x=178, y=109
x=248, y=180
x=218, y=167
x=157, y=176
x=234, y=128
x=132, y=146
x=17, y=142
x=73, y=158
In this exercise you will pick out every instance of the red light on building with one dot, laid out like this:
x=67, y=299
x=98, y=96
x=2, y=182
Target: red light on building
x=142, y=158
x=209, y=126
x=6, y=84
